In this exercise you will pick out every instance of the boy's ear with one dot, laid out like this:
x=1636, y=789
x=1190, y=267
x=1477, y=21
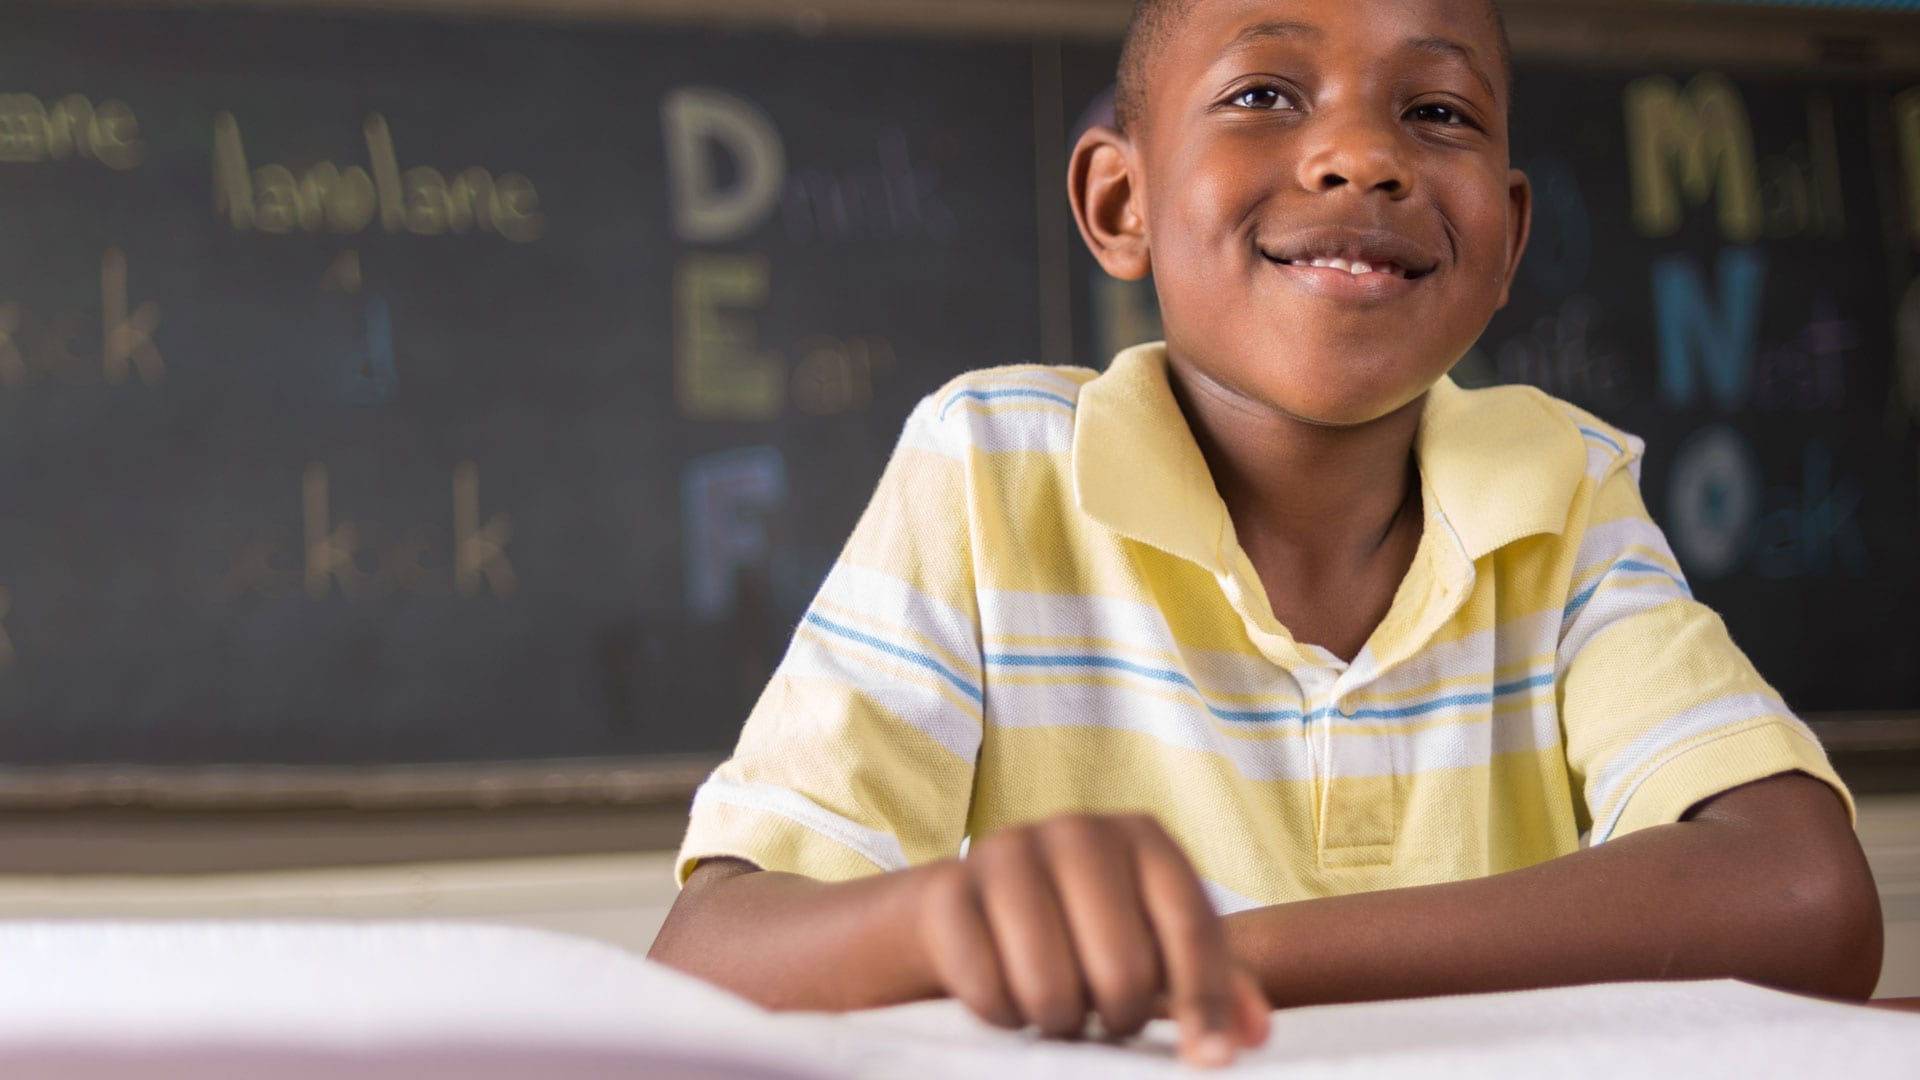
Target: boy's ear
x=1519, y=226
x=1100, y=183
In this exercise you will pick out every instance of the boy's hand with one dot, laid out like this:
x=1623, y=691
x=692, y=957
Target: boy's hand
x=1043, y=924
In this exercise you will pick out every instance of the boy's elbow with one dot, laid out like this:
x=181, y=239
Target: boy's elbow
x=1835, y=913
x=1806, y=893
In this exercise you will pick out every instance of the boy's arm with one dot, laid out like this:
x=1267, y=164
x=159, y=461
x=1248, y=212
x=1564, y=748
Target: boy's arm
x=1040, y=925
x=1765, y=882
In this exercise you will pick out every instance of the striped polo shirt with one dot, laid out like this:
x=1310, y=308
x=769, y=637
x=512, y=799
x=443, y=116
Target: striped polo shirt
x=1044, y=610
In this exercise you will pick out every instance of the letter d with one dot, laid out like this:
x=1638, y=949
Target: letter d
x=702, y=212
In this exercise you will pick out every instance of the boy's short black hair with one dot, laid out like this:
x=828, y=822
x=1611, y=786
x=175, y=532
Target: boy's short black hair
x=1154, y=20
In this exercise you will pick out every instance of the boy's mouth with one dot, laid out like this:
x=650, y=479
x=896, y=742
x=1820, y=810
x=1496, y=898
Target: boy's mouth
x=1359, y=253
x=1356, y=267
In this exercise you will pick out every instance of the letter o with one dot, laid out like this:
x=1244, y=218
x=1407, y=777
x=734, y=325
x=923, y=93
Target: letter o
x=1712, y=498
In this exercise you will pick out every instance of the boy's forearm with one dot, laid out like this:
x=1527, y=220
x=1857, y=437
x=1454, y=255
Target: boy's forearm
x=1765, y=883
x=789, y=942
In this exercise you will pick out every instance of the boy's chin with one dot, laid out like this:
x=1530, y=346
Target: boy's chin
x=1347, y=406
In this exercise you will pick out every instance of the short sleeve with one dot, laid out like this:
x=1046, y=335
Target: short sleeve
x=1660, y=709
x=859, y=755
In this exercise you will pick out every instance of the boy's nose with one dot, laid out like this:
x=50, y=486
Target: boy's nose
x=1360, y=155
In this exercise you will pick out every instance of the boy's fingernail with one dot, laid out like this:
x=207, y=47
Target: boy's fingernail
x=1213, y=1049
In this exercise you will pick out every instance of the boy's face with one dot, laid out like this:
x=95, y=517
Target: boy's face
x=1278, y=133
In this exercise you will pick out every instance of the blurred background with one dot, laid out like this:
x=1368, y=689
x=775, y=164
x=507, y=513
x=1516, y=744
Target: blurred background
x=422, y=421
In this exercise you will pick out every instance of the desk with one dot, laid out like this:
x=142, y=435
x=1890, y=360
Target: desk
x=309, y=999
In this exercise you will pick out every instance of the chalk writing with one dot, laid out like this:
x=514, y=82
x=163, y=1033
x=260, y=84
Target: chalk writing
x=1561, y=356
x=899, y=198
x=721, y=372
x=1713, y=494
x=835, y=376
x=373, y=378
x=1703, y=136
x=1693, y=332
x=1696, y=144
x=479, y=551
x=701, y=122
x=1715, y=512
x=71, y=129
x=329, y=547
x=1809, y=372
x=726, y=500
x=348, y=557
x=1813, y=530
x=1719, y=343
x=126, y=338
x=324, y=197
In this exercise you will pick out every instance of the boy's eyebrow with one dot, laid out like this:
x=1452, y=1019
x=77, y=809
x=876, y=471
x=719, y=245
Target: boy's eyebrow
x=1450, y=48
x=1262, y=31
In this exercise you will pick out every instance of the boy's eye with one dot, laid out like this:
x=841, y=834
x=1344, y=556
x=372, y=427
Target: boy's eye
x=1436, y=113
x=1260, y=97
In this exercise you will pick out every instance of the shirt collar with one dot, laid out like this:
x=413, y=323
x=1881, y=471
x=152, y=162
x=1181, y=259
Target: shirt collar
x=1499, y=464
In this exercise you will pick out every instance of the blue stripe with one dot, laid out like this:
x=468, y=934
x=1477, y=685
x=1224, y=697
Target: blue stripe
x=1179, y=679
x=891, y=649
x=1160, y=674
x=1586, y=594
x=989, y=395
x=1403, y=711
x=1605, y=438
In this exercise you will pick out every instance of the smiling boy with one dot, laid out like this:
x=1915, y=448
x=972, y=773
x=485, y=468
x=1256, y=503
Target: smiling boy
x=1267, y=665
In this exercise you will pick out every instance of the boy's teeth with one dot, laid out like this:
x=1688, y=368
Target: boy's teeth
x=1355, y=268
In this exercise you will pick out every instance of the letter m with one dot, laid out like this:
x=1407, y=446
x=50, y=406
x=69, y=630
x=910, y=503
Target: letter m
x=1692, y=144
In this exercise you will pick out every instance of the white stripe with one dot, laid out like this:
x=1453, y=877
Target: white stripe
x=924, y=431
x=1622, y=597
x=1613, y=787
x=881, y=849
x=1600, y=458
x=1142, y=628
x=1018, y=425
x=890, y=601
x=934, y=714
x=1455, y=737
x=1606, y=544
x=1239, y=683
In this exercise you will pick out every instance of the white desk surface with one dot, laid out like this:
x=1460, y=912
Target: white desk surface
x=149, y=989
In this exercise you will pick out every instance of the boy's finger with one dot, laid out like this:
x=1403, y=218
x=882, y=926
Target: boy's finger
x=961, y=949
x=1093, y=874
x=1193, y=948
x=1252, y=1010
x=1030, y=934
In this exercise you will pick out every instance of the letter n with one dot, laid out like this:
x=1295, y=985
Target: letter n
x=1693, y=333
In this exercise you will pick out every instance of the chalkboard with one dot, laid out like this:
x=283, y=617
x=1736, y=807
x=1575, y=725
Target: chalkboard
x=1724, y=265
x=384, y=391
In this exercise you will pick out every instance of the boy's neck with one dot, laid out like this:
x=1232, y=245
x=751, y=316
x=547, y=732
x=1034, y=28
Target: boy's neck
x=1327, y=495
